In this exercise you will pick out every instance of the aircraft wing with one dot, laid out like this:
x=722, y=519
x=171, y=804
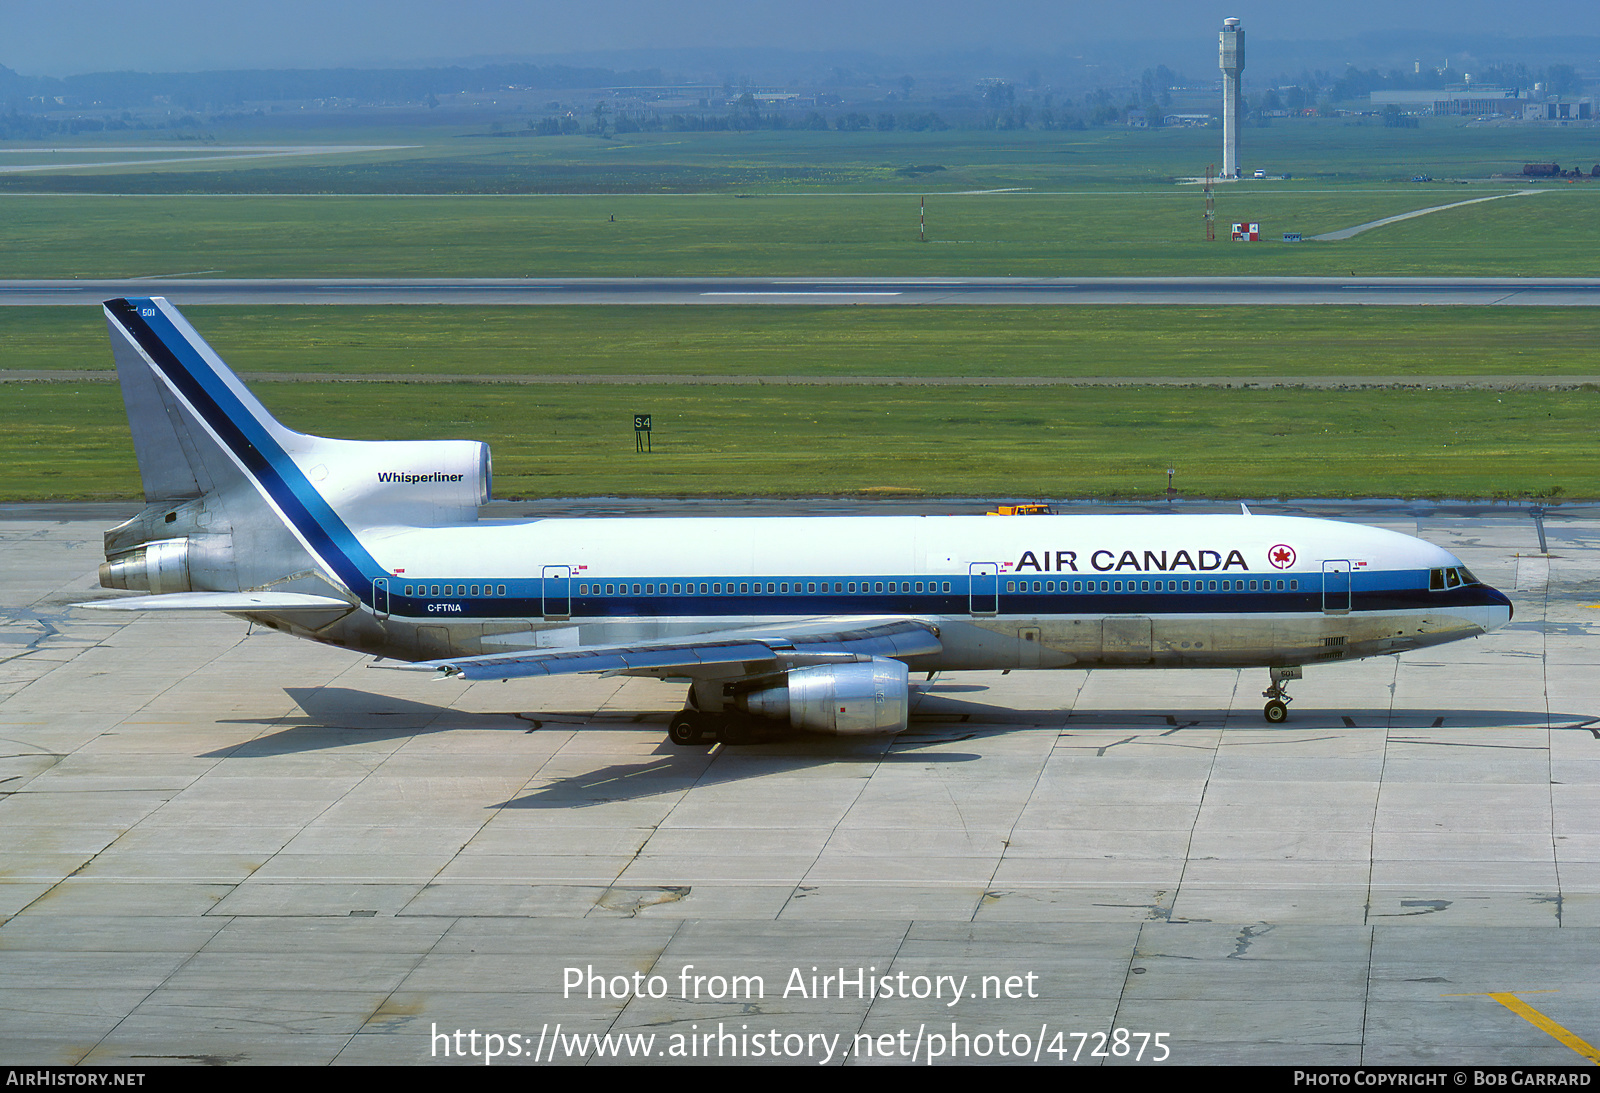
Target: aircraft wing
x=275, y=603
x=737, y=652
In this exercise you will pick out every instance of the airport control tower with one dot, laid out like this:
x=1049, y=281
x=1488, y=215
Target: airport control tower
x=1231, y=41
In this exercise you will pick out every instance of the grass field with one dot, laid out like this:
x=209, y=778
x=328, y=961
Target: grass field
x=1098, y=203
x=1131, y=341
x=466, y=159
x=1148, y=232
x=67, y=440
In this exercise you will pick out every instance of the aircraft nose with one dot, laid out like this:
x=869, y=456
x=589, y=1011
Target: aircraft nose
x=1496, y=610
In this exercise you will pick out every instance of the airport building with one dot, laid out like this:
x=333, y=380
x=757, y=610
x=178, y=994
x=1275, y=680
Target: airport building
x=1478, y=102
x=1486, y=102
x=1557, y=109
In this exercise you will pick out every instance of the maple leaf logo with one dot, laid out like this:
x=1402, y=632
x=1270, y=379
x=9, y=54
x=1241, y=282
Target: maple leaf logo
x=1281, y=556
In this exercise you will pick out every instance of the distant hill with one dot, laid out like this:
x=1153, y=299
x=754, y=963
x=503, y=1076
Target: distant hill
x=229, y=89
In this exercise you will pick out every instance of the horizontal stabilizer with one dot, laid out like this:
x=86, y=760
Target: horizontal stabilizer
x=271, y=602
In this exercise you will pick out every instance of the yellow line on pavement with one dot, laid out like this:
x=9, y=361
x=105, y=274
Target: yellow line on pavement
x=1545, y=1025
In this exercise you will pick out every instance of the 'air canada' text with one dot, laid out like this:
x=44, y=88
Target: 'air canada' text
x=1150, y=561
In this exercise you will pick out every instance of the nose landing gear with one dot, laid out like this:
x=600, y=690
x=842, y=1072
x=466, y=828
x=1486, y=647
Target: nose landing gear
x=1276, y=710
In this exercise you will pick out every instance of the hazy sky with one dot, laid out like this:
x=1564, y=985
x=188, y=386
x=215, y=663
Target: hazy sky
x=62, y=37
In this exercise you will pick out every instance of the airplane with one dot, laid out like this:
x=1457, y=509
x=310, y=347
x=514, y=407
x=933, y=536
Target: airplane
x=812, y=622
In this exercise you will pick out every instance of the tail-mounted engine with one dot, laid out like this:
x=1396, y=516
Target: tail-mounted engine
x=417, y=483
x=169, y=565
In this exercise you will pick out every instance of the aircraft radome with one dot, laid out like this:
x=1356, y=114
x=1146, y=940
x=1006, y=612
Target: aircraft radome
x=813, y=622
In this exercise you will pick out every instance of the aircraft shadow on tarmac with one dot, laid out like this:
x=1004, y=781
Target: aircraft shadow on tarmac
x=334, y=717
x=936, y=705
x=372, y=716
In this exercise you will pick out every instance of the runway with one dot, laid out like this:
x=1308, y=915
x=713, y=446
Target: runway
x=986, y=291
x=224, y=846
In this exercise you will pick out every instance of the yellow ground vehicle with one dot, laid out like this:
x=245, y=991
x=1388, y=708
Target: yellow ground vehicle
x=1036, y=508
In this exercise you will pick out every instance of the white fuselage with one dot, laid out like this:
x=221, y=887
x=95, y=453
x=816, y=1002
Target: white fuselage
x=1005, y=592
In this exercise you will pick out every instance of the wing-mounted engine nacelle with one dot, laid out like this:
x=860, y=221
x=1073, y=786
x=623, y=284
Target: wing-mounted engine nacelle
x=190, y=564
x=417, y=483
x=864, y=698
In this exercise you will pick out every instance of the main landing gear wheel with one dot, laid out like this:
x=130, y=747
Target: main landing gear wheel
x=691, y=727
x=686, y=728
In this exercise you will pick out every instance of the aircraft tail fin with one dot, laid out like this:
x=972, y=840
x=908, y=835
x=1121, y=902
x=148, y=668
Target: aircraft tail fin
x=184, y=405
x=195, y=423
x=236, y=500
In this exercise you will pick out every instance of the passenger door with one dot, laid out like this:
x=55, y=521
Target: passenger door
x=557, y=591
x=1336, y=587
x=983, y=588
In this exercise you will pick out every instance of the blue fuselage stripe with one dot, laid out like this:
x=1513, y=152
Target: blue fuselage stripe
x=1375, y=592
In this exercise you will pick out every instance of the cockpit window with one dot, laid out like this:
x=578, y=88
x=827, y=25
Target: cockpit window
x=1454, y=577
